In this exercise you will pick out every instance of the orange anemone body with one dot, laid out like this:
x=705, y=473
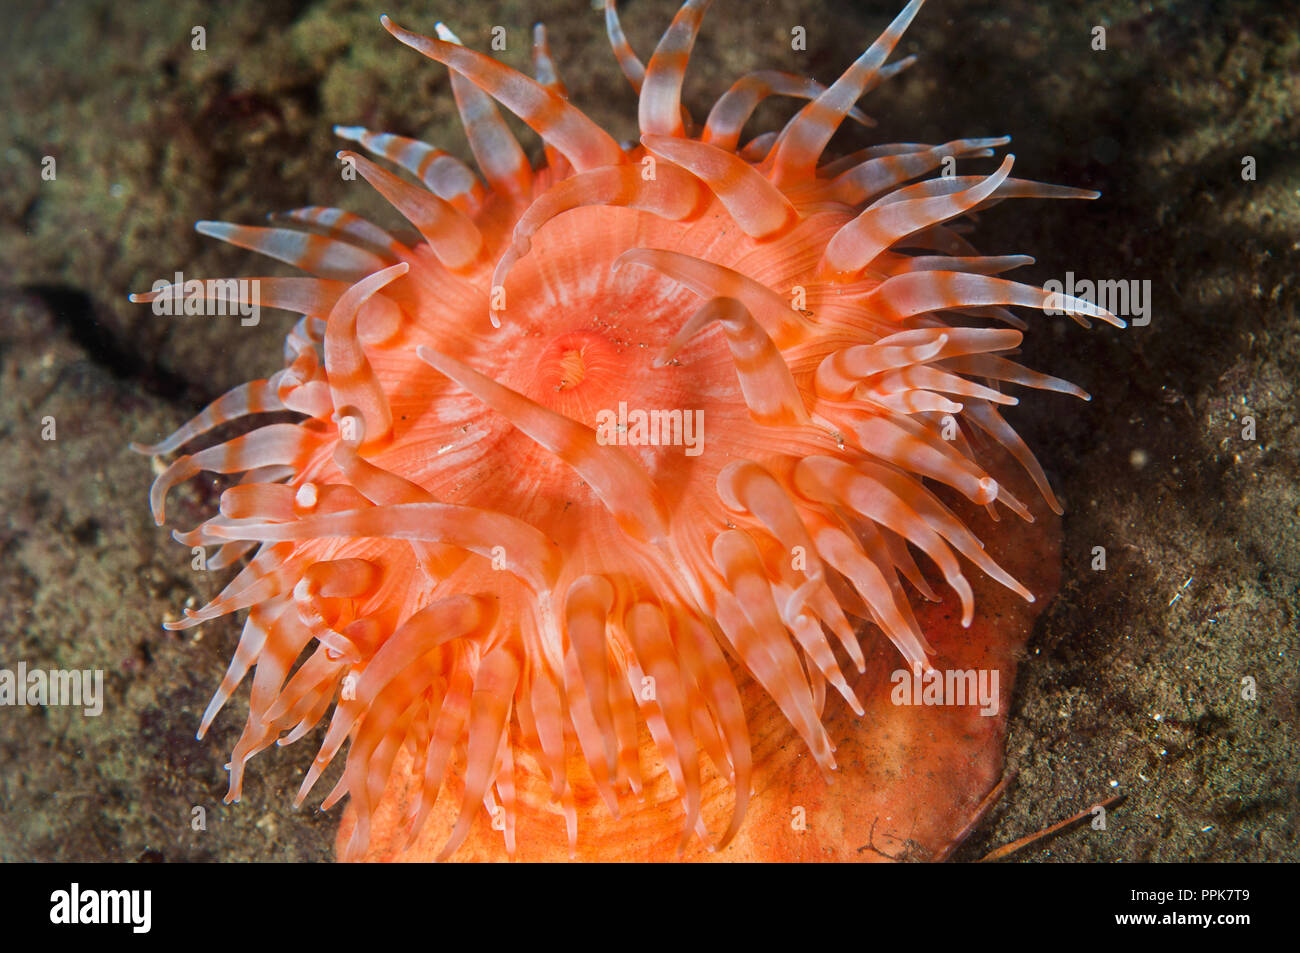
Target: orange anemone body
x=606, y=480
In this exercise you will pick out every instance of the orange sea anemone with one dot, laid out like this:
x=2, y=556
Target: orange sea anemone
x=616, y=457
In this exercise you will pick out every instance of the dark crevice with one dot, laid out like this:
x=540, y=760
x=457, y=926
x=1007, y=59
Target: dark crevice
x=75, y=311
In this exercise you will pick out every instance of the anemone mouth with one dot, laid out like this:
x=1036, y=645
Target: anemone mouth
x=573, y=365
x=607, y=435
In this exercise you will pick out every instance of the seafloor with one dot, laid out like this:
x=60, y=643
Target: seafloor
x=1133, y=682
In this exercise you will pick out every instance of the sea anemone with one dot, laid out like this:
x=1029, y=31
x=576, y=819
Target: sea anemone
x=608, y=438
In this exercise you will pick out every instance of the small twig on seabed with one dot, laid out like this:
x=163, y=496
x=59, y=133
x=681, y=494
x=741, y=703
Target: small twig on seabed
x=984, y=806
x=1008, y=849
